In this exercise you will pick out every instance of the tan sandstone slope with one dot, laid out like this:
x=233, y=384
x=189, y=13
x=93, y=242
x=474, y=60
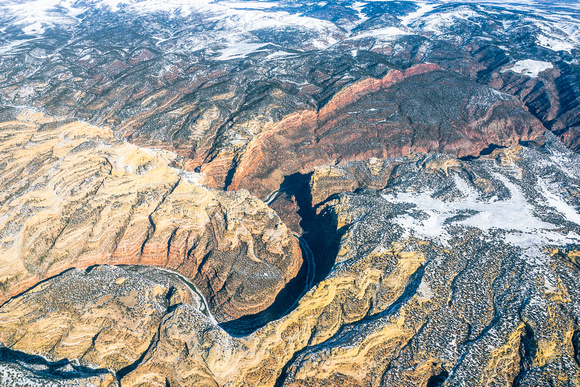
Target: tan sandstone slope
x=71, y=195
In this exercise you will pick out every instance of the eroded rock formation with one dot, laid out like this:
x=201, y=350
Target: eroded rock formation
x=422, y=109
x=109, y=317
x=73, y=196
x=429, y=286
x=358, y=123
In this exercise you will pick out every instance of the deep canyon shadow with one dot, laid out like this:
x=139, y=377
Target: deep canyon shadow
x=62, y=370
x=319, y=244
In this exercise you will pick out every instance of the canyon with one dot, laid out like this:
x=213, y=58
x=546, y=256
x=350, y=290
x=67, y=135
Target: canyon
x=396, y=292
x=89, y=199
x=267, y=193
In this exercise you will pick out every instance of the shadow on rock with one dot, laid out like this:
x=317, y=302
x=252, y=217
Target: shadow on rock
x=62, y=369
x=319, y=243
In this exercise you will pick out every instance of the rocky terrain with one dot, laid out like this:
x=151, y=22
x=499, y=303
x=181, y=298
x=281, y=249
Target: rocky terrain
x=254, y=193
x=73, y=196
x=423, y=109
x=454, y=273
x=237, y=70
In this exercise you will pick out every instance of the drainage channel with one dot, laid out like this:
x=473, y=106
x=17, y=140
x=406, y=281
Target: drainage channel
x=284, y=303
x=203, y=305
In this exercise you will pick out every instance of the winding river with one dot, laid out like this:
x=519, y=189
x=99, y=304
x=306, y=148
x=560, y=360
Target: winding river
x=284, y=303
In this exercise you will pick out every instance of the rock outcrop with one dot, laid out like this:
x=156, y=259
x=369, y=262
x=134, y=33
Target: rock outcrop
x=422, y=109
x=419, y=221
x=430, y=287
x=108, y=317
x=73, y=196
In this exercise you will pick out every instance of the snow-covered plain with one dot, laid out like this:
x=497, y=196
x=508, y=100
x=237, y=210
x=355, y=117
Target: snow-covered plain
x=433, y=218
x=554, y=44
x=35, y=17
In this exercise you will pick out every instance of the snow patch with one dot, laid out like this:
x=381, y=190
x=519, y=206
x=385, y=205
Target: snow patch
x=530, y=67
x=183, y=7
x=387, y=33
x=431, y=217
x=557, y=202
x=554, y=44
x=424, y=292
x=239, y=50
x=439, y=22
x=358, y=8
x=411, y=17
x=280, y=55
x=252, y=5
x=34, y=17
x=14, y=46
x=34, y=29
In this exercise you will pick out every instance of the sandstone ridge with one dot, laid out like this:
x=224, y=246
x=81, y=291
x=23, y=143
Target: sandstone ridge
x=73, y=196
x=422, y=109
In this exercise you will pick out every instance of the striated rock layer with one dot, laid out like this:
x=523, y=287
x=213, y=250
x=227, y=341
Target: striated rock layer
x=430, y=287
x=73, y=196
x=189, y=95
x=423, y=109
x=109, y=316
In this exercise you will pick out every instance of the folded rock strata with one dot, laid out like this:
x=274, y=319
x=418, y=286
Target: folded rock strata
x=423, y=109
x=73, y=196
x=109, y=316
x=448, y=271
x=430, y=287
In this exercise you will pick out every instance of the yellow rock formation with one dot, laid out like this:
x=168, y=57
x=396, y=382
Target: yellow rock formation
x=74, y=196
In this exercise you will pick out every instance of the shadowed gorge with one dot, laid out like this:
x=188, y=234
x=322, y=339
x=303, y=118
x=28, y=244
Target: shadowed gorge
x=61, y=370
x=319, y=241
x=289, y=193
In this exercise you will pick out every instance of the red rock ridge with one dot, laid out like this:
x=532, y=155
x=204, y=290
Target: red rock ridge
x=304, y=140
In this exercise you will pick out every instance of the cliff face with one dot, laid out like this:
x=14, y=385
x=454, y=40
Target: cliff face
x=73, y=196
x=429, y=286
x=289, y=193
x=181, y=94
x=420, y=110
